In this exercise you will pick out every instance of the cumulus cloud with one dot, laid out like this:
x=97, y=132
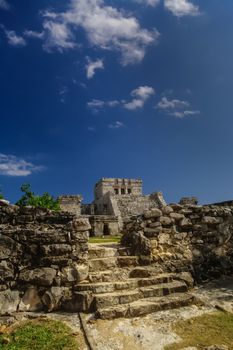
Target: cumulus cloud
x=105, y=27
x=4, y=5
x=14, y=166
x=95, y=105
x=116, y=125
x=183, y=114
x=34, y=34
x=58, y=36
x=141, y=95
x=181, y=8
x=92, y=66
x=14, y=39
x=177, y=108
x=148, y=2
x=171, y=104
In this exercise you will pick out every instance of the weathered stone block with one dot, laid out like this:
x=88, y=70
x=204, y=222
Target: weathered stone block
x=31, y=301
x=40, y=276
x=9, y=301
x=165, y=221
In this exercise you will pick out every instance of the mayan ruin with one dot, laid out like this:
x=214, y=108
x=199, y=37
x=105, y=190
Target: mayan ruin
x=116, y=198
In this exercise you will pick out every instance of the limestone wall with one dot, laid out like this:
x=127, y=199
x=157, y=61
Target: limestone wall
x=43, y=254
x=198, y=239
x=71, y=204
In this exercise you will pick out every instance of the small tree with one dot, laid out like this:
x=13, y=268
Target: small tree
x=44, y=201
x=1, y=194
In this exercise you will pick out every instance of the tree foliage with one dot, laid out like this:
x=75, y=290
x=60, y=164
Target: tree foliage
x=44, y=201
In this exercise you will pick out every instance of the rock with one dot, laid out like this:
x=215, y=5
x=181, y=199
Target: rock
x=165, y=221
x=9, y=301
x=41, y=276
x=153, y=213
x=210, y=220
x=216, y=347
x=80, y=224
x=6, y=271
x=152, y=232
x=186, y=277
x=74, y=274
x=4, y=202
x=177, y=216
x=31, y=301
x=185, y=223
x=52, y=298
x=167, y=210
x=164, y=238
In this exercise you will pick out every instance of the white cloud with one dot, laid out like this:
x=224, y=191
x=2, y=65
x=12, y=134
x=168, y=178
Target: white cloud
x=181, y=8
x=106, y=27
x=92, y=66
x=141, y=95
x=59, y=36
x=33, y=34
x=116, y=125
x=183, y=114
x=63, y=93
x=134, y=104
x=4, y=5
x=96, y=105
x=176, y=108
x=143, y=92
x=14, y=39
x=14, y=166
x=148, y=2
x=171, y=104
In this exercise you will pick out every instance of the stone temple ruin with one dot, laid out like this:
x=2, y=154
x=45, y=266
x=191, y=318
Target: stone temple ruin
x=115, y=201
x=47, y=263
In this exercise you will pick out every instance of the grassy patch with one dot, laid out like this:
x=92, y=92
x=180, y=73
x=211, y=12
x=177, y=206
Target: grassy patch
x=206, y=330
x=39, y=335
x=106, y=239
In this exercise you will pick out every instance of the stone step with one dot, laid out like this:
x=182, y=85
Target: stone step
x=164, y=289
x=108, y=299
x=99, y=251
x=105, y=300
x=146, y=306
x=117, y=274
x=145, y=271
x=132, y=283
x=101, y=264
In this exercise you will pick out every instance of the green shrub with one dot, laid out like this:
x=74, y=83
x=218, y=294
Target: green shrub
x=44, y=201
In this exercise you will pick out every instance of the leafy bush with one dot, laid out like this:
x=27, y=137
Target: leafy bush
x=44, y=201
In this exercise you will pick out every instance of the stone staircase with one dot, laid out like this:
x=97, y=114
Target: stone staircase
x=121, y=285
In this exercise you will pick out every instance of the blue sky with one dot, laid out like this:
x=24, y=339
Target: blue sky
x=103, y=88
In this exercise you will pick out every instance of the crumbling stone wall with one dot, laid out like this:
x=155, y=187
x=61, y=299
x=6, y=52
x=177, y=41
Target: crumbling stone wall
x=43, y=254
x=180, y=238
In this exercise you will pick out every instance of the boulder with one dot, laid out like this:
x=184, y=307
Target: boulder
x=43, y=276
x=9, y=301
x=31, y=301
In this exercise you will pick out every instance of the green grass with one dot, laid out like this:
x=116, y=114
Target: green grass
x=206, y=330
x=106, y=239
x=39, y=335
